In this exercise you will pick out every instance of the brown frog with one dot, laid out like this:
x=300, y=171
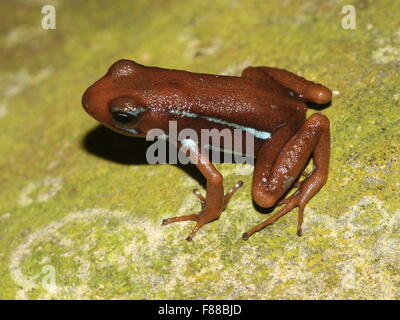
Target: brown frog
x=269, y=103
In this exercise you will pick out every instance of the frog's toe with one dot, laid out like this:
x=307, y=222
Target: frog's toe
x=201, y=198
x=189, y=217
x=230, y=193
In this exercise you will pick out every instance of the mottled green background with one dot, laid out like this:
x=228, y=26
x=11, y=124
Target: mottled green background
x=79, y=201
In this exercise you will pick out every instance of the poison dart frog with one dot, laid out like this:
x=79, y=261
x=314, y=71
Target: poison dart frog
x=269, y=103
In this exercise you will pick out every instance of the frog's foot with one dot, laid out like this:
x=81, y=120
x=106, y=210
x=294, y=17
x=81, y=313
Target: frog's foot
x=292, y=202
x=206, y=215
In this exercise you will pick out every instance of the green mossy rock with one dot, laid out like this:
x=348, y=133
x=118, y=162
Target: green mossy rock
x=79, y=205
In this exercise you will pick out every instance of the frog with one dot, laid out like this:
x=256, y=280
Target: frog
x=271, y=103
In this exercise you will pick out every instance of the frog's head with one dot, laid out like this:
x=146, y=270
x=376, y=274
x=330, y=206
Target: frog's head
x=112, y=100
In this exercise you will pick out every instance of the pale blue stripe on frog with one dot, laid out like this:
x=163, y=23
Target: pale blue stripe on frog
x=264, y=135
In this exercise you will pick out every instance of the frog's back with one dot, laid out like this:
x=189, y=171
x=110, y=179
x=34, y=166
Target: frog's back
x=261, y=103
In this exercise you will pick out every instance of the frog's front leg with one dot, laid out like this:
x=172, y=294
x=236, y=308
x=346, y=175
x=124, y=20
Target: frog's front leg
x=215, y=201
x=268, y=186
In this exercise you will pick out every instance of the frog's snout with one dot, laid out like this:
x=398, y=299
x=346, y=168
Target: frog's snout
x=85, y=100
x=91, y=105
x=94, y=102
x=88, y=102
x=85, y=104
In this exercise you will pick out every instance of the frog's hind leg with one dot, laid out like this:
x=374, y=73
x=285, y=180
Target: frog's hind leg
x=306, y=90
x=312, y=138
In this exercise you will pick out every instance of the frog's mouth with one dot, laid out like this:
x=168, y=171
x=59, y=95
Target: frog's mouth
x=131, y=131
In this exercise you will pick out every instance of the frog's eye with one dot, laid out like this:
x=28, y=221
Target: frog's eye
x=125, y=113
x=122, y=117
x=127, y=119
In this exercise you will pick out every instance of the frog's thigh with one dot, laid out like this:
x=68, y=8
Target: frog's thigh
x=266, y=158
x=312, y=137
x=306, y=89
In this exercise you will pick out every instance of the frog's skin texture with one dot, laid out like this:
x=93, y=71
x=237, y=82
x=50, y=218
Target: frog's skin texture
x=133, y=99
